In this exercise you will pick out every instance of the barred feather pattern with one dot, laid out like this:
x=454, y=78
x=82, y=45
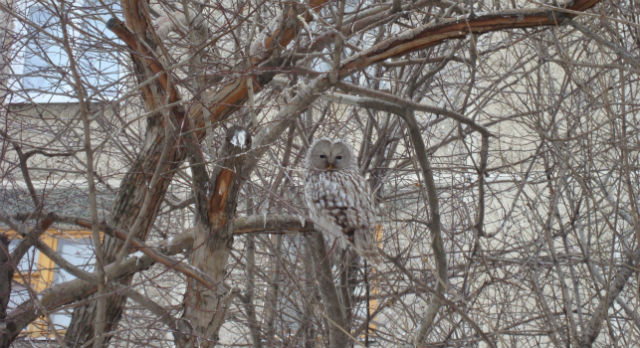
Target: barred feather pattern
x=340, y=204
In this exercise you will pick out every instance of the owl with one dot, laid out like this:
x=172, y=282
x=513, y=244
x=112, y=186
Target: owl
x=338, y=197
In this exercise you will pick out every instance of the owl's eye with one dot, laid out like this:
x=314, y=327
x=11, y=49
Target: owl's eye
x=339, y=157
x=323, y=156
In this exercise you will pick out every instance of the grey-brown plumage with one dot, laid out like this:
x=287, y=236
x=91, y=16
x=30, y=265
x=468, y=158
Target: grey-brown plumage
x=338, y=197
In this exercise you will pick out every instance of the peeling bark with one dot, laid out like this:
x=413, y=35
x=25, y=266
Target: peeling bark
x=205, y=308
x=134, y=189
x=458, y=28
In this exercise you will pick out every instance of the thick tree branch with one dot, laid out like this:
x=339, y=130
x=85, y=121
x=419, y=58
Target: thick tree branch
x=65, y=293
x=135, y=187
x=458, y=28
x=152, y=252
x=123, y=33
x=622, y=275
x=6, y=277
x=205, y=308
x=30, y=238
x=334, y=310
x=230, y=97
x=234, y=94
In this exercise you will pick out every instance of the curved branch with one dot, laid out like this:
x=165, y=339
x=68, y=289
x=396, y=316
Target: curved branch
x=400, y=104
x=434, y=224
x=458, y=28
x=623, y=273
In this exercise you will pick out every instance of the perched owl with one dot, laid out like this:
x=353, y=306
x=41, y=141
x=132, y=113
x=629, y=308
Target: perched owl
x=338, y=197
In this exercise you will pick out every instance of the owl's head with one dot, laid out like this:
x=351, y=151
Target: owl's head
x=330, y=154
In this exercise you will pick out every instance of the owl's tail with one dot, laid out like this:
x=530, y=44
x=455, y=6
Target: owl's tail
x=365, y=245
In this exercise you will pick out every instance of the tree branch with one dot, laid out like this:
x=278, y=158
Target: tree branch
x=623, y=273
x=458, y=28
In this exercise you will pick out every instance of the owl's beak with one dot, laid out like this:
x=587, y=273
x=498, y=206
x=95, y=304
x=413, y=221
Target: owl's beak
x=330, y=166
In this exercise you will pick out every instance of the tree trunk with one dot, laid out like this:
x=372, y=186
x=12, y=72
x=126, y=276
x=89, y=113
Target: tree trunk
x=135, y=188
x=6, y=274
x=137, y=204
x=205, y=308
x=334, y=310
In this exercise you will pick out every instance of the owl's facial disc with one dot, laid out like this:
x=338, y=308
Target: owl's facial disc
x=330, y=156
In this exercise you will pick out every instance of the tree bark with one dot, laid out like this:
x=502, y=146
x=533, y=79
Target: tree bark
x=162, y=155
x=334, y=310
x=6, y=275
x=134, y=189
x=205, y=308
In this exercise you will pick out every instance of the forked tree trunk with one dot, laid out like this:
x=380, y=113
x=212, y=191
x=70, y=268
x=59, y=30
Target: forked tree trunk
x=134, y=188
x=205, y=308
x=213, y=242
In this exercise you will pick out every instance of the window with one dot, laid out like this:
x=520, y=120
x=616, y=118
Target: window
x=37, y=272
x=78, y=252
x=46, y=31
